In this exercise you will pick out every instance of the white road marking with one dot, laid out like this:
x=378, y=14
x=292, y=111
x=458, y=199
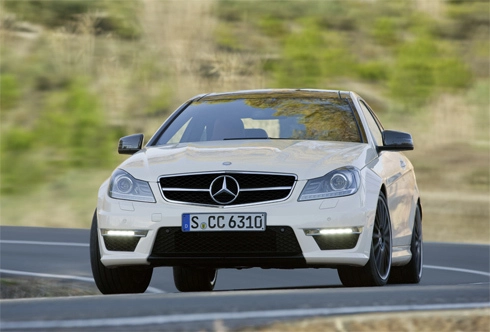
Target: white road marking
x=65, y=244
x=68, y=277
x=156, y=290
x=213, y=316
x=433, y=267
x=46, y=275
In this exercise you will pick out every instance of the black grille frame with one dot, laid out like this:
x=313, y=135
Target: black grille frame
x=255, y=188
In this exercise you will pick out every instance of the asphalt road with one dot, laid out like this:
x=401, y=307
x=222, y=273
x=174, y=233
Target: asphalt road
x=456, y=276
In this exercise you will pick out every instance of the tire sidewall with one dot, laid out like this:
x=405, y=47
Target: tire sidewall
x=378, y=278
x=94, y=245
x=417, y=256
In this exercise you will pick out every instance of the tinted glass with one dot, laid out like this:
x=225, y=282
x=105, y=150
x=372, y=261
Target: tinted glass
x=263, y=118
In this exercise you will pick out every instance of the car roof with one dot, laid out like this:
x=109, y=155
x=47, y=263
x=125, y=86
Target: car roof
x=273, y=93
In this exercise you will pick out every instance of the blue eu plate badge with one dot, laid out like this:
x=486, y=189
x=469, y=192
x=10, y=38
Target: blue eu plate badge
x=186, y=222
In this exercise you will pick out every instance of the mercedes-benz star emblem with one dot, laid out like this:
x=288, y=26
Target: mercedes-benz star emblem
x=224, y=189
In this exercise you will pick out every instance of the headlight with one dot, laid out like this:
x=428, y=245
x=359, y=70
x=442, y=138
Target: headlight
x=124, y=186
x=340, y=182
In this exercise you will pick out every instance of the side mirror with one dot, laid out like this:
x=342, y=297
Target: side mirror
x=396, y=141
x=130, y=144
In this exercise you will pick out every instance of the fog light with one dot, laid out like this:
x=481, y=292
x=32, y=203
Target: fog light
x=333, y=231
x=128, y=233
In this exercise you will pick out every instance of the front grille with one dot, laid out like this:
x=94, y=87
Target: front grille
x=336, y=242
x=121, y=243
x=251, y=188
x=274, y=241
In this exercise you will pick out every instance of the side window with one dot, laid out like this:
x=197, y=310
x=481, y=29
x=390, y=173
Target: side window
x=373, y=124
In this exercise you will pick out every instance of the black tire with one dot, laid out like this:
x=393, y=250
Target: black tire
x=189, y=279
x=377, y=270
x=117, y=280
x=412, y=272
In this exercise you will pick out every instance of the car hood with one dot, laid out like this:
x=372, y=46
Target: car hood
x=306, y=159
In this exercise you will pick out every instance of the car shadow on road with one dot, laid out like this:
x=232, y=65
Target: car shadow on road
x=280, y=288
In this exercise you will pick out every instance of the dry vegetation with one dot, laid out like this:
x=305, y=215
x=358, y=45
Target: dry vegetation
x=188, y=47
x=184, y=49
x=464, y=320
x=17, y=288
x=452, y=162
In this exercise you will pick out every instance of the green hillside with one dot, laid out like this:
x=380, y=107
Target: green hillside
x=76, y=75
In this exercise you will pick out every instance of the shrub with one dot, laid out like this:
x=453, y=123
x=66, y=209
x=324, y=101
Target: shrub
x=51, y=13
x=413, y=79
x=385, y=31
x=119, y=17
x=21, y=169
x=225, y=38
x=452, y=73
x=468, y=17
x=373, y=71
x=73, y=127
x=9, y=91
x=301, y=63
x=272, y=26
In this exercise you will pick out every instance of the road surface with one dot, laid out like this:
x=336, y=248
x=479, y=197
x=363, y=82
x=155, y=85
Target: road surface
x=456, y=276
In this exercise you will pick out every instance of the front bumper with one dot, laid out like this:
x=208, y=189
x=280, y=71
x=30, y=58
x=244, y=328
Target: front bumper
x=160, y=218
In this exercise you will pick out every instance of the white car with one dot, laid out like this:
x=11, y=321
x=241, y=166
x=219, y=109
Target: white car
x=261, y=178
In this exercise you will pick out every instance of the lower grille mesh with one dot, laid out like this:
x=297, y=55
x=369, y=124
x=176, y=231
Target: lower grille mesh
x=274, y=241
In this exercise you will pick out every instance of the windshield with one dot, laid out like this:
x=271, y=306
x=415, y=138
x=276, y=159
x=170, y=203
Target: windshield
x=264, y=118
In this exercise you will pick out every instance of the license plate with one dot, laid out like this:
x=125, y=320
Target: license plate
x=215, y=222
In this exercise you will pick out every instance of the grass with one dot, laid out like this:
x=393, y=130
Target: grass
x=138, y=82
x=451, y=164
x=456, y=217
x=453, y=179
x=71, y=199
x=461, y=320
x=67, y=202
x=17, y=288
x=464, y=320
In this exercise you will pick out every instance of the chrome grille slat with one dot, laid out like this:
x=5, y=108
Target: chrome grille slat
x=183, y=189
x=267, y=188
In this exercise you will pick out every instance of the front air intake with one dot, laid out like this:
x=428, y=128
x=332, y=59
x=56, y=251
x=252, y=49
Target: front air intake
x=273, y=242
x=121, y=243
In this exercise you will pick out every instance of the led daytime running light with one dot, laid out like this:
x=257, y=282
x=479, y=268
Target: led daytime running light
x=124, y=233
x=332, y=231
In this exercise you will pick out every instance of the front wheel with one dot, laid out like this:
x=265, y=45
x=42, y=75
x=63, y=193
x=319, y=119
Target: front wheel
x=377, y=270
x=117, y=280
x=190, y=279
x=412, y=272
